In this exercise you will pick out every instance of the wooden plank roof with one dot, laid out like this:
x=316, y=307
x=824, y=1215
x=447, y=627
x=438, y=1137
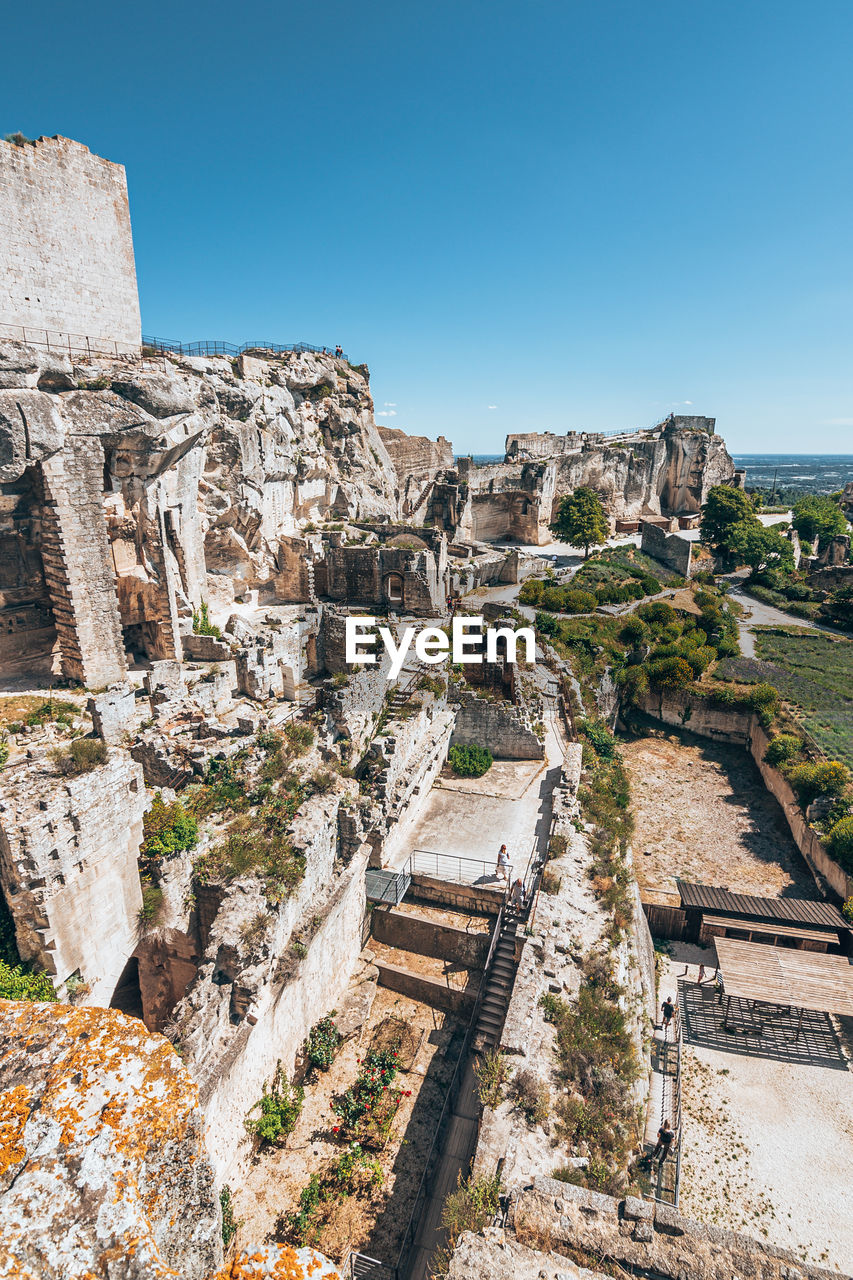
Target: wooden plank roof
x=779, y=975
x=770, y=927
x=788, y=910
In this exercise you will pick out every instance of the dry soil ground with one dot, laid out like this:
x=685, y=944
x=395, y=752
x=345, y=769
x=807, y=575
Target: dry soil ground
x=703, y=814
x=373, y=1225
x=767, y=1143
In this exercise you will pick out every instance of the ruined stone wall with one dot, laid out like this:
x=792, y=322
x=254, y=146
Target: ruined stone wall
x=66, y=250
x=417, y=461
x=68, y=848
x=541, y=444
x=669, y=548
x=498, y=725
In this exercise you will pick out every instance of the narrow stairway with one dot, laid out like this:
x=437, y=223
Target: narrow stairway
x=498, y=984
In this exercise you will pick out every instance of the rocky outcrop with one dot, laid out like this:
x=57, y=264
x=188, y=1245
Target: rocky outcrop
x=103, y=1169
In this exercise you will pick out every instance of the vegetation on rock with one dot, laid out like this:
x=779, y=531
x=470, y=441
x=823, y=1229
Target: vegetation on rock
x=470, y=761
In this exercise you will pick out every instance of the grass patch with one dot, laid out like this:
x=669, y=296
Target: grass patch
x=82, y=756
x=814, y=675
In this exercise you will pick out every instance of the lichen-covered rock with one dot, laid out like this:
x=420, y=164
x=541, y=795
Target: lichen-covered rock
x=280, y=1262
x=103, y=1170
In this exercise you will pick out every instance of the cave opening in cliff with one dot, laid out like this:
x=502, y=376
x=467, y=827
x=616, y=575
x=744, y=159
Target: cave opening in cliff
x=127, y=996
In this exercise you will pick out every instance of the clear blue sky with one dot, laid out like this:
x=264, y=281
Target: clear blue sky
x=542, y=215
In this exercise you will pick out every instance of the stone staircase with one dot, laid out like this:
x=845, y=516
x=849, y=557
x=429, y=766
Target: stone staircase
x=312, y=589
x=498, y=982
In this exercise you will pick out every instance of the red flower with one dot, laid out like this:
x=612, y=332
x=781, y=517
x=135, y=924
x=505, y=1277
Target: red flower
x=336, y=1129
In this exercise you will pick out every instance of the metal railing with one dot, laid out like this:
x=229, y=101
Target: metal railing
x=453, y=867
x=386, y=886
x=671, y=1110
x=215, y=347
x=70, y=344
x=359, y=1266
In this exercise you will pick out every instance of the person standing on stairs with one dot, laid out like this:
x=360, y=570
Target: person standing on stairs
x=502, y=869
x=516, y=898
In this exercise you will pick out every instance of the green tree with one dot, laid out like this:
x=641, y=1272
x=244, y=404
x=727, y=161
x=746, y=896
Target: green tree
x=816, y=516
x=581, y=520
x=759, y=547
x=725, y=509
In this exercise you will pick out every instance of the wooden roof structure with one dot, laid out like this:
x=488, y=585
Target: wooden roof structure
x=770, y=927
x=779, y=975
x=821, y=915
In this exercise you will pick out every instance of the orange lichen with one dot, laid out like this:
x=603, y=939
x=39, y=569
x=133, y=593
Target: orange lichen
x=15, y=1112
x=260, y=1266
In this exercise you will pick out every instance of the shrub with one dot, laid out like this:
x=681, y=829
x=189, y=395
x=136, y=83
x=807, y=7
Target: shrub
x=18, y=983
x=280, y=1105
x=577, y=601
x=83, y=755
x=4, y=753
x=322, y=1043
x=784, y=747
x=826, y=778
x=841, y=843
x=847, y=910
x=634, y=631
x=700, y=658
x=532, y=1096
x=493, y=1072
x=202, y=626
x=470, y=761
x=377, y=1073
x=599, y=736
x=168, y=829
x=469, y=1208
x=300, y=737
x=670, y=673
x=531, y=591
x=433, y=684
x=650, y=584
x=657, y=614
x=152, y=901
x=551, y=882
x=230, y=1224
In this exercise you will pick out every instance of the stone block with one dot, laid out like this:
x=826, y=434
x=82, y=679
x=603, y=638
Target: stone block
x=669, y=1220
x=637, y=1210
x=114, y=713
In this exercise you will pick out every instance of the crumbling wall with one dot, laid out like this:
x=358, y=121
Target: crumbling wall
x=496, y=724
x=68, y=848
x=673, y=551
x=66, y=252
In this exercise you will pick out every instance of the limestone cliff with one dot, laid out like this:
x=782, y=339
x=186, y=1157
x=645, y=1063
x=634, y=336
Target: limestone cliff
x=133, y=489
x=101, y=1146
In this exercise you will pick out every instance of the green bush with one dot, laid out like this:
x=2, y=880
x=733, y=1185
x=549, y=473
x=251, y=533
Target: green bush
x=825, y=778
x=577, y=601
x=470, y=761
x=53, y=709
x=167, y=829
x=634, y=631
x=202, y=626
x=670, y=673
x=531, y=591
x=658, y=614
x=841, y=843
x=229, y=1222
x=784, y=747
x=152, y=901
x=18, y=983
x=4, y=753
x=280, y=1105
x=83, y=755
x=600, y=737
x=322, y=1043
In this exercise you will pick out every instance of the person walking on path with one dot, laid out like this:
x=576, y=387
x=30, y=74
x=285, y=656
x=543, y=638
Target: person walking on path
x=665, y=1137
x=502, y=869
x=517, y=896
x=701, y=974
x=668, y=1010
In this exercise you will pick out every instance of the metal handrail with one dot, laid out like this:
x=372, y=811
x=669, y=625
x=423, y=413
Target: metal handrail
x=70, y=344
x=217, y=347
x=419, y=860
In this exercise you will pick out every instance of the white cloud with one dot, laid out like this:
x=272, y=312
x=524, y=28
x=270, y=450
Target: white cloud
x=839, y=422
x=387, y=413
x=493, y=406
x=688, y=401
x=390, y=404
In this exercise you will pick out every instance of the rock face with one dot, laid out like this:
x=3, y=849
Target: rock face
x=68, y=870
x=134, y=489
x=667, y=470
x=102, y=1163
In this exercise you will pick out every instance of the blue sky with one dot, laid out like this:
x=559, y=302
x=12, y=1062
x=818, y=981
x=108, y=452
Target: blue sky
x=540, y=216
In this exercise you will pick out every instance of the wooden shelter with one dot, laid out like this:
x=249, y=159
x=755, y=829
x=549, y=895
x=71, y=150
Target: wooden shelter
x=790, y=979
x=801, y=923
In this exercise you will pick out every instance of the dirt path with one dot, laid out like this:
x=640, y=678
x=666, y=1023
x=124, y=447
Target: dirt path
x=703, y=814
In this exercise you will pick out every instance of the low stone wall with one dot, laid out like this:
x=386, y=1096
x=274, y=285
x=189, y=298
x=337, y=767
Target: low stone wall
x=467, y=897
x=550, y=1220
x=672, y=550
x=807, y=840
x=431, y=991
x=429, y=938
